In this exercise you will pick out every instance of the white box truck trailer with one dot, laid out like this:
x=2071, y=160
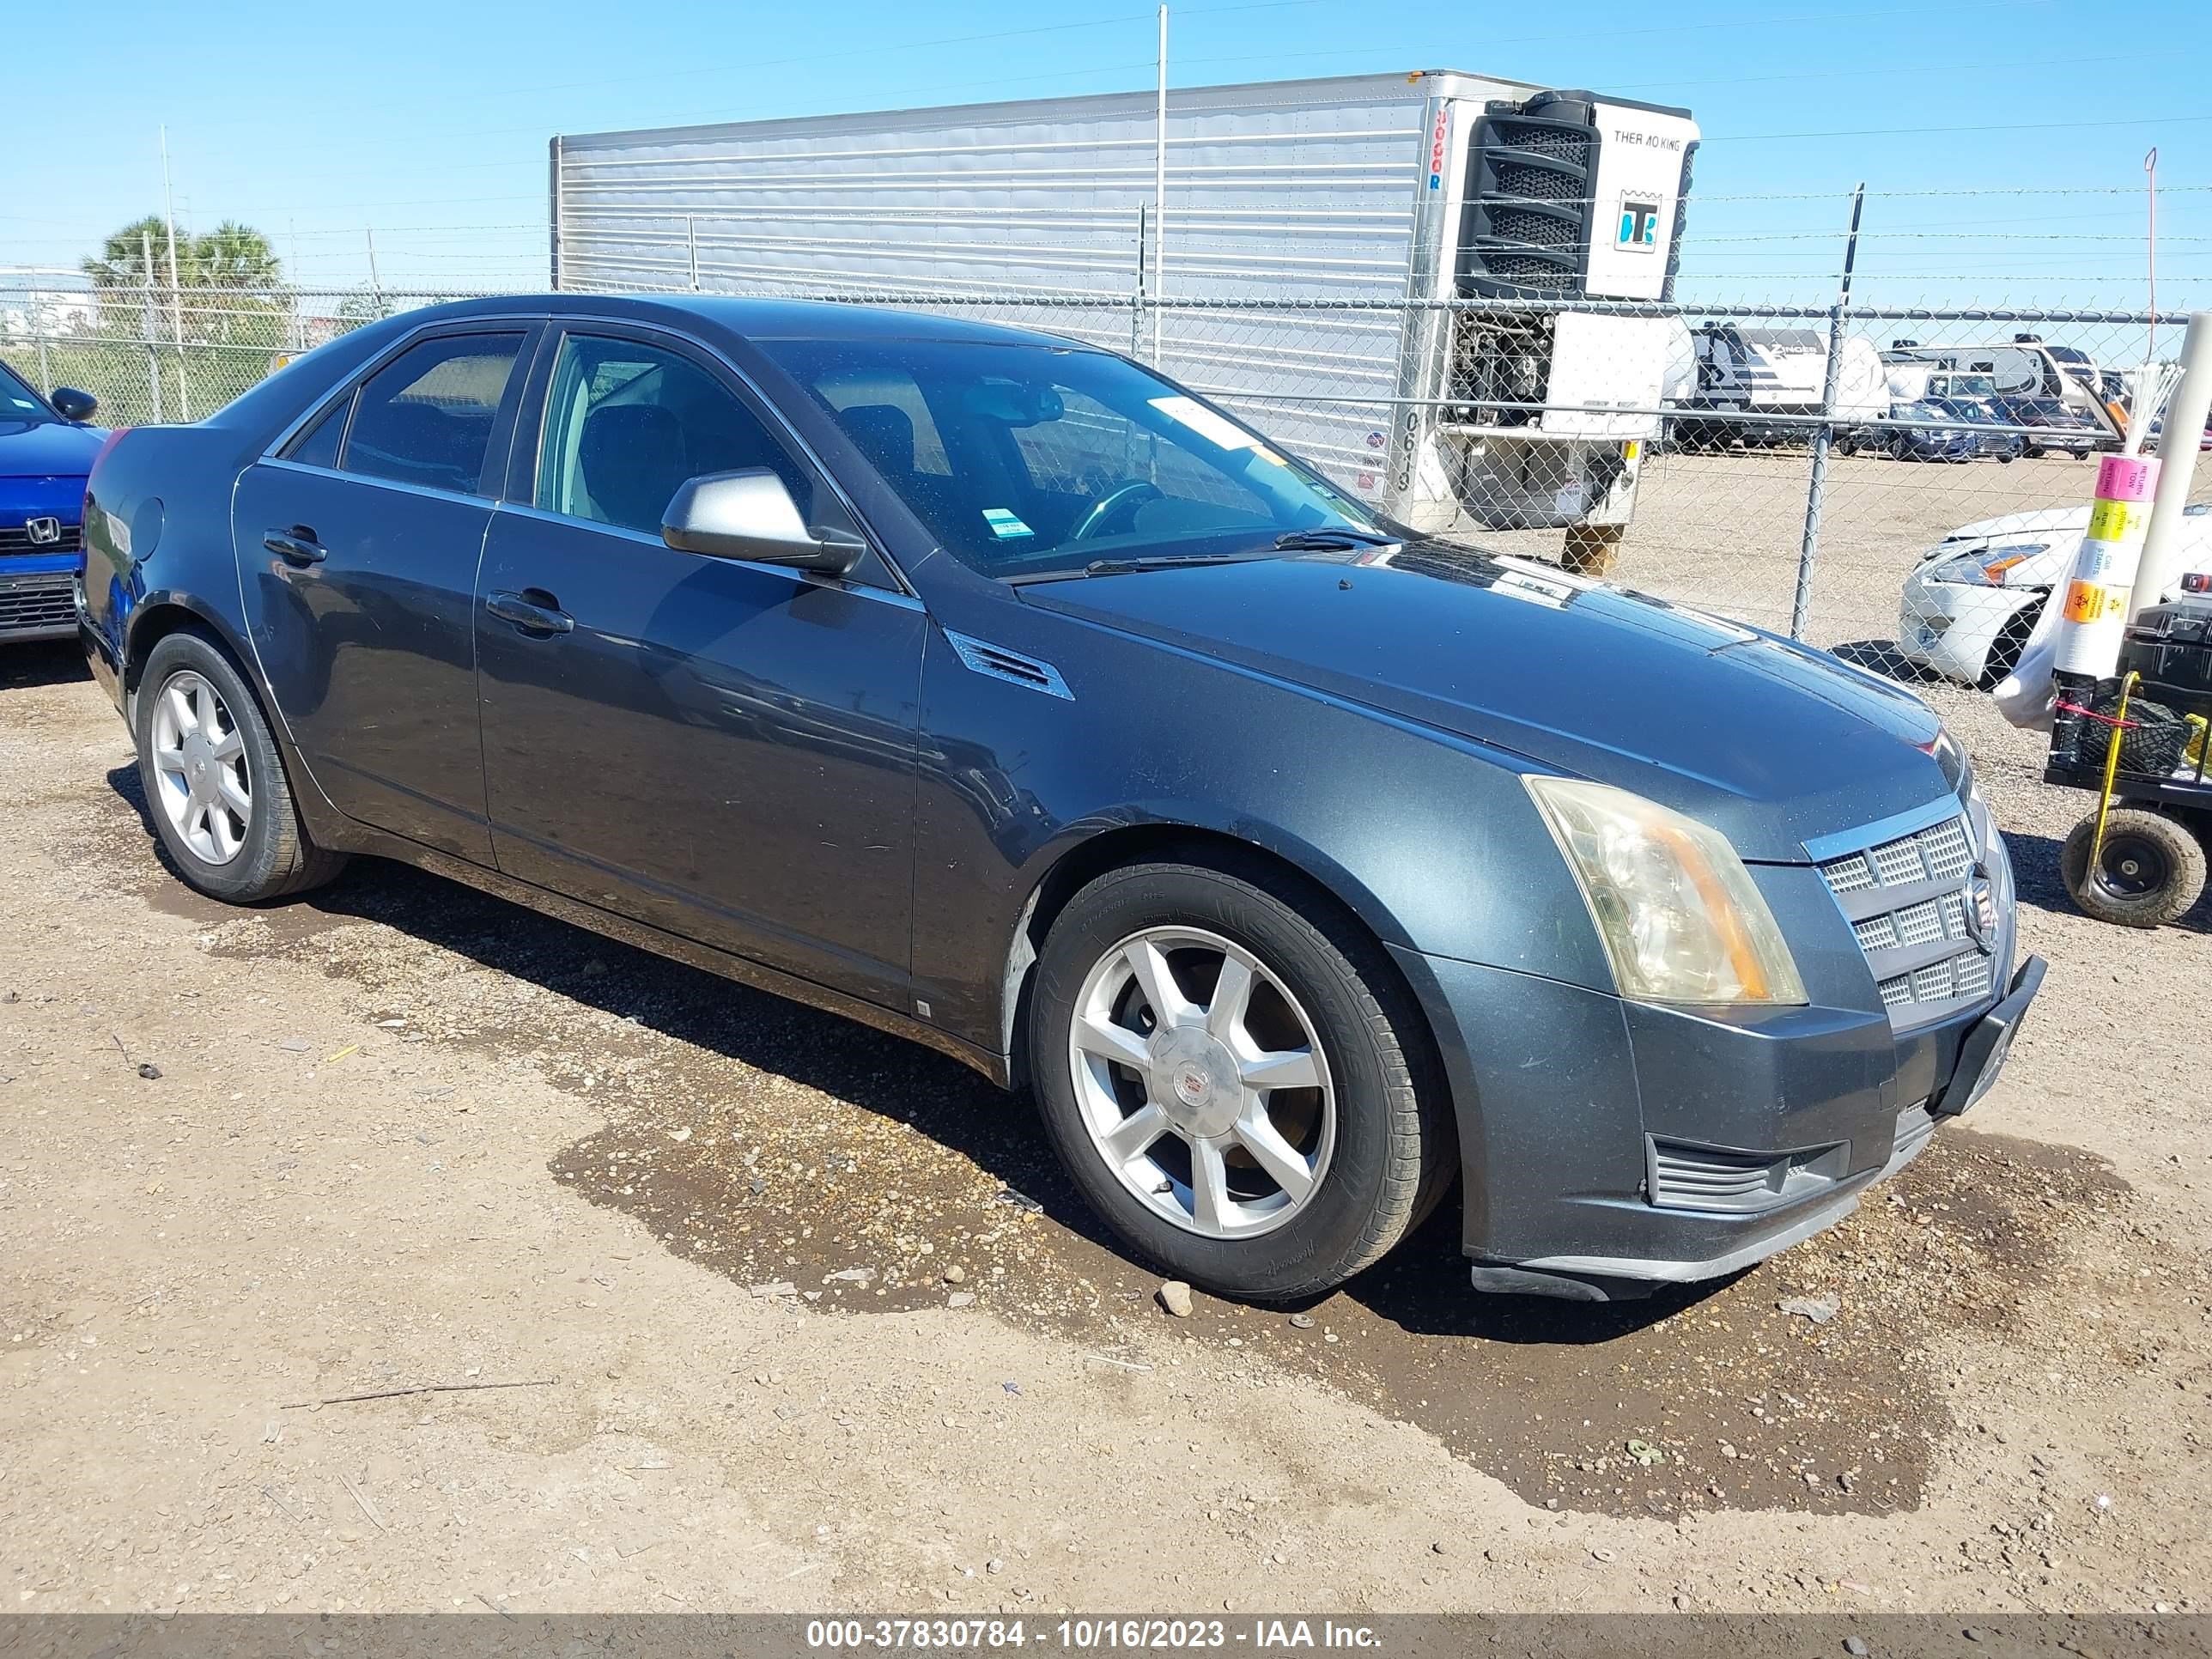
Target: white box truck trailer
x=1398, y=192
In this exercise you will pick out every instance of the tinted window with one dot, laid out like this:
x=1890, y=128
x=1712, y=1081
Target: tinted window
x=18, y=402
x=627, y=423
x=318, y=445
x=427, y=417
x=1026, y=459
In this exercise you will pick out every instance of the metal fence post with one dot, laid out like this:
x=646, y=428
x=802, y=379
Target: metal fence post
x=691, y=248
x=146, y=324
x=1824, y=435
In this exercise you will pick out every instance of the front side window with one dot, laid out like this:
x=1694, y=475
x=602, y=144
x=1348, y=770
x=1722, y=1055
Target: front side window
x=427, y=416
x=18, y=402
x=627, y=423
x=1024, y=459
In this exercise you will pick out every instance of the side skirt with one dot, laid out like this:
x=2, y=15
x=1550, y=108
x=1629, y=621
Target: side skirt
x=690, y=952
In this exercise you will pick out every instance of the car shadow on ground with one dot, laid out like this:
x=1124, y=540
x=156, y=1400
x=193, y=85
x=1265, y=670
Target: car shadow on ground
x=43, y=662
x=1422, y=1287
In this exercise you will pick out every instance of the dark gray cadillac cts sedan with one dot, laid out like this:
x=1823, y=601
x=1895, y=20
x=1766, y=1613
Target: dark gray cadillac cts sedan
x=989, y=688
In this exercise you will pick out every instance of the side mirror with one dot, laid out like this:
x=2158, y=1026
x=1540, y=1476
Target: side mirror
x=73, y=406
x=750, y=514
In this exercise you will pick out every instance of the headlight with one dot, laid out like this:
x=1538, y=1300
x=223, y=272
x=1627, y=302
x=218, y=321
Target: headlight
x=1992, y=569
x=1680, y=916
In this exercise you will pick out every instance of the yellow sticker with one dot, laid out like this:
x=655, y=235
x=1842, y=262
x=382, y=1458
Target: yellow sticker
x=1628, y=450
x=2112, y=521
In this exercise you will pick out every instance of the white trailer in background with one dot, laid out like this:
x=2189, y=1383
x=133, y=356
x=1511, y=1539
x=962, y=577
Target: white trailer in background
x=1743, y=373
x=1380, y=189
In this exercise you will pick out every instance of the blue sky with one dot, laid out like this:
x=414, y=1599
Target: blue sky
x=426, y=123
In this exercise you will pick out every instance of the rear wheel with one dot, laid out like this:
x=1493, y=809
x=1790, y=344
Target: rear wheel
x=1236, y=1079
x=215, y=784
x=2149, y=870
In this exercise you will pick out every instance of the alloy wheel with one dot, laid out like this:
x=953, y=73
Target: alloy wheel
x=203, y=785
x=1202, y=1083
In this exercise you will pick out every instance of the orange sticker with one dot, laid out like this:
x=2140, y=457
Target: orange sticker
x=2086, y=602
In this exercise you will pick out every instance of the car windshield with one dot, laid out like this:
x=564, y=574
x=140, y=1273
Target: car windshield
x=1028, y=460
x=18, y=402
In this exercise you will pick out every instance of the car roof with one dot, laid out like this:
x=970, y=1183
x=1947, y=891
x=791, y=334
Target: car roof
x=753, y=319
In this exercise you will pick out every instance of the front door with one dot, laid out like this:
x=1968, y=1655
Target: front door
x=358, y=546
x=721, y=748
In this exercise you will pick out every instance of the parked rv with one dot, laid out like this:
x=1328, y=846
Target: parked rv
x=2024, y=367
x=1382, y=189
x=1762, y=386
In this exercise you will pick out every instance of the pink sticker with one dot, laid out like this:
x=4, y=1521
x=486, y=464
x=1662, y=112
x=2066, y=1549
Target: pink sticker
x=2124, y=478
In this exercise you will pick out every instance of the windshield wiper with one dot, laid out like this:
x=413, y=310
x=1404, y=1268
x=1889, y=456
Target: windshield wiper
x=1123, y=567
x=1331, y=539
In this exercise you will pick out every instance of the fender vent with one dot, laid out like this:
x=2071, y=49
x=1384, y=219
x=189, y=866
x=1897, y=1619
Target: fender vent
x=999, y=664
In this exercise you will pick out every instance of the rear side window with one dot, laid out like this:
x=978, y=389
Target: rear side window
x=318, y=445
x=426, y=418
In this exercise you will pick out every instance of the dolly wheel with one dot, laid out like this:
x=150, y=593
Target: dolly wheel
x=2151, y=869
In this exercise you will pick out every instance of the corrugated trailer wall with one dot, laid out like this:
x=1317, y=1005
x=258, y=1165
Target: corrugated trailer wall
x=1302, y=189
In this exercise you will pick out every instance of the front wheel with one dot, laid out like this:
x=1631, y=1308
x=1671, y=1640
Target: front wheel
x=215, y=784
x=1236, y=1079
x=2149, y=871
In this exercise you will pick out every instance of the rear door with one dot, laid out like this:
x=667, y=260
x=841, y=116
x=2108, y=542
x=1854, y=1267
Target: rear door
x=358, y=542
x=721, y=748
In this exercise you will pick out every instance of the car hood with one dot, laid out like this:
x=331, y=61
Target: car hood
x=1764, y=740
x=2061, y=530
x=40, y=449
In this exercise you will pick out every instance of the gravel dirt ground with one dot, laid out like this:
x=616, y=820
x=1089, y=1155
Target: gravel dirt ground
x=797, y=1317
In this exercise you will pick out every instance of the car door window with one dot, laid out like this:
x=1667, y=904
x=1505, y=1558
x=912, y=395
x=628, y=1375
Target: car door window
x=627, y=423
x=318, y=445
x=427, y=416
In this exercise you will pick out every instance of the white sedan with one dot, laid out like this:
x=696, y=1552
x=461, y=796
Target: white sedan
x=1973, y=599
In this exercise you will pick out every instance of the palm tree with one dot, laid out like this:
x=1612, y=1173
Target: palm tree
x=122, y=262
x=234, y=256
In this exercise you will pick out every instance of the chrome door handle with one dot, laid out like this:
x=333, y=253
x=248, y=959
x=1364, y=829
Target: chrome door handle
x=297, y=545
x=534, y=612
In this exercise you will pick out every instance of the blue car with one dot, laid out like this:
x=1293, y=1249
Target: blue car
x=46, y=453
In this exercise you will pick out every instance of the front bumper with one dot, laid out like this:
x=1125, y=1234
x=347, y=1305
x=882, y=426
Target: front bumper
x=1609, y=1147
x=1952, y=627
x=37, y=603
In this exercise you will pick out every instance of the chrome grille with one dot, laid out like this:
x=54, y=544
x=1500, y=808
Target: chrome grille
x=1906, y=898
x=35, y=603
x=15, y=538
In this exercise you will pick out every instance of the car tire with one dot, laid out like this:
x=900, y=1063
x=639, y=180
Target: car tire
x=2005, y=649
x=1346, y=1166
x=2034, y=454
x=2152, y=871
x=215, y=787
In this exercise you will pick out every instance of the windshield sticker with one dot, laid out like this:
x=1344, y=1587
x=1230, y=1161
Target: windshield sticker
x=1004, y=523
x=1188, y=411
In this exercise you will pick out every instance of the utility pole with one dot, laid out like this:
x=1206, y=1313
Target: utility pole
x=1160, y=188
x=2150, y=171
x=176, y=289
x=376, y=288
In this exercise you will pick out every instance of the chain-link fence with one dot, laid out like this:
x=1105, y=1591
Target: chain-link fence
x=1796, y=467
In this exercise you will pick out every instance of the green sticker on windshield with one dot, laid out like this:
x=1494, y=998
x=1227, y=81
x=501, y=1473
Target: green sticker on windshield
x=1004, y=523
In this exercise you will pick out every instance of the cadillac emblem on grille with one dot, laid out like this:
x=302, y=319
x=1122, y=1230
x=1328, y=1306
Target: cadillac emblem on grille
x=1981, y=911
x=40, y=532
